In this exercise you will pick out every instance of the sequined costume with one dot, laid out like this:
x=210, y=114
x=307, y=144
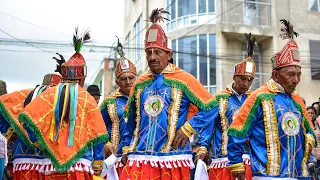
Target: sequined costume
x=277, y=125
x=65, y=122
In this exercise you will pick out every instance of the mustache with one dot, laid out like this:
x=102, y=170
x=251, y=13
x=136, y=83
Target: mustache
x=153, y=61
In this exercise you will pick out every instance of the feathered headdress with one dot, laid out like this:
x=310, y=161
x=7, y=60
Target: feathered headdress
x=76, y=68
x=247, y=66
x=289, y=55
x=155, y=36
x=156, y=15
x=78, y=41
x=59, y=63
x=119, y=48
x=124, y=65
x=251, y=44
x=287, y=31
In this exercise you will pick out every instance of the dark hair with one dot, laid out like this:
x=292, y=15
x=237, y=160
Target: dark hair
x=315, y=103
x=311, y=107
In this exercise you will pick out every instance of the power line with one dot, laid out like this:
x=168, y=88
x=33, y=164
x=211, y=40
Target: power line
x=34, y=24
x=25, y=42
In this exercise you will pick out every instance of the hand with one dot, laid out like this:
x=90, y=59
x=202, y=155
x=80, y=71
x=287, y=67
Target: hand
x=108, y=150
x=239, y=174
x=180, y=139
x=124, y=159
x=200, y=155
x=97, y=172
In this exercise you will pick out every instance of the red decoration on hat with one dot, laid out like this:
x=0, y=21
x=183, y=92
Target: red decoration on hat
x=124, y=65
x=247, y=66
x=289, y=55
x=51, y=79
x=155, y=36
x=76, y=67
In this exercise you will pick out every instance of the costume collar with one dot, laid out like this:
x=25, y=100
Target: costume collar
x=275, y=87
x=169, y=69
x=232, y=91
x=118, y=93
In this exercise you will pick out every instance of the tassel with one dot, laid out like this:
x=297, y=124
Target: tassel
x=174, y=164
x=161, y=165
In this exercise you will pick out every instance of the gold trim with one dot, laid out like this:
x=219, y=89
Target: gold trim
x=223, y=105
x=272, y=138
x=237, y=167
x=202, y=149
x=309, y=144
x=186, y=132
x=138, y=119
x=176, y=96
x=97, y=164
x=125, y=149
x=115, y=131
x=189, y=128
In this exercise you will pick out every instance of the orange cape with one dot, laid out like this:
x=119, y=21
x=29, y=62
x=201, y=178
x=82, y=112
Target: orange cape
x=89, y=128
x=240, y=125
x=178, y=78
x=11, y=105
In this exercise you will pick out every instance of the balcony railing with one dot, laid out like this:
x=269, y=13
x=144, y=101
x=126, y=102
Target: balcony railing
x=248, y=12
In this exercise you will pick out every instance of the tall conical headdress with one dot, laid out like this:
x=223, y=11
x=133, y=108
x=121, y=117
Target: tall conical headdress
x=289, y=55
x=124, y=65
x=247, y=66
x=155, y=36
x=76, y=68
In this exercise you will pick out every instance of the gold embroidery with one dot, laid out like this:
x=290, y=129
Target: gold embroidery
x=223, y=104
x=115, y=135
x=138, y=119
x=272, y=139
x=176, y=96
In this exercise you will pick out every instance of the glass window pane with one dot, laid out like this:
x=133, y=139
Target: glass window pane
x=193, y=6
x=212, y=52
x=313, y=5
x=186, y=7
x=203, y=59
x=202, y=6
x=174, y=49
x=188, y=54
x=211, y=6
x=182, y=7
x=315, y=59
x=173, y=9
x=212, y=90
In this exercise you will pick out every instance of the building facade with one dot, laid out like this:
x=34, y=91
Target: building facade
x=206, y=37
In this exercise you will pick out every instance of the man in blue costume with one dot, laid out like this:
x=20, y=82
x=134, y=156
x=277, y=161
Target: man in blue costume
x=230, y=100
x=157, y=133
x=113, y=106
x=278, y=150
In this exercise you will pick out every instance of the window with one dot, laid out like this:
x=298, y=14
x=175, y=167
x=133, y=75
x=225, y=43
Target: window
x=189, y=12
x=127, y=47
x=137, y=41
x=313, y=5
x=315, y=59
x=196, y=55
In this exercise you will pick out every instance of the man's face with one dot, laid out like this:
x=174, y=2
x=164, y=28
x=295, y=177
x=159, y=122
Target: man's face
x=242, y=83
x=287, y=77
x=158, y=59
x=125, y=82
x=96, y=98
